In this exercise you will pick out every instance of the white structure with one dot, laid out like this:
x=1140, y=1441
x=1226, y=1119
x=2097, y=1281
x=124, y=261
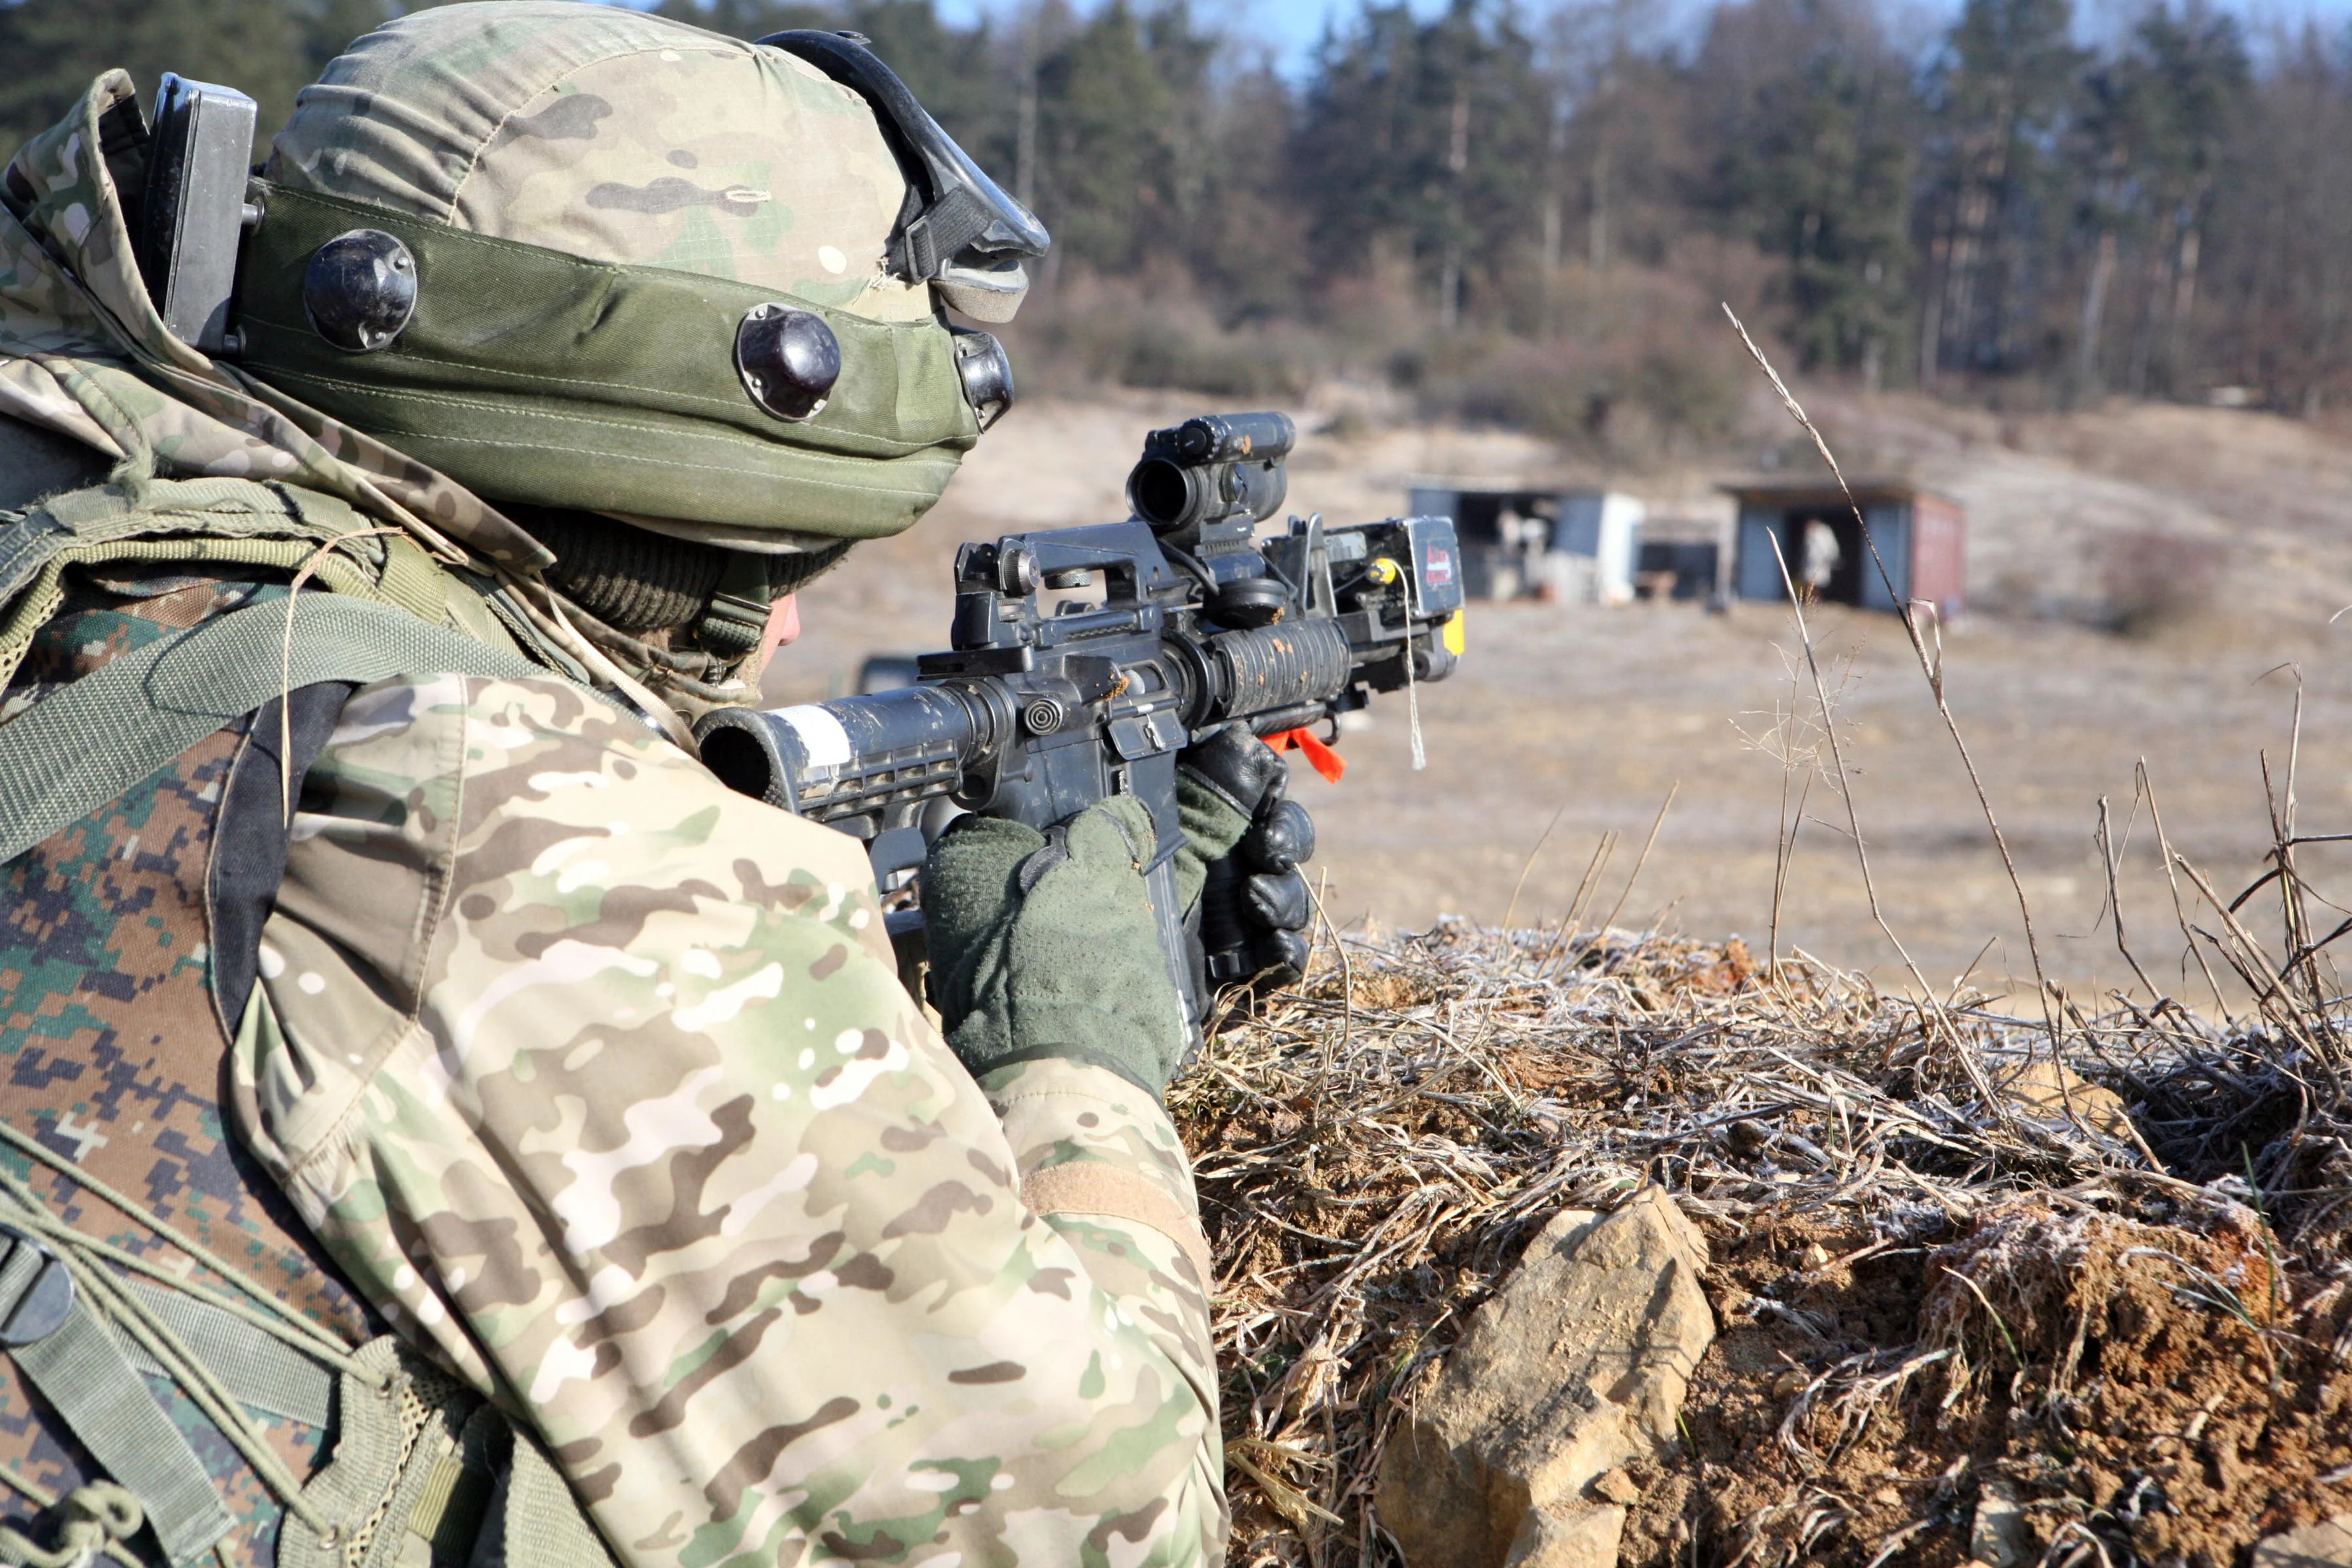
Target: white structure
x=1579, y=547
x=1605, y=527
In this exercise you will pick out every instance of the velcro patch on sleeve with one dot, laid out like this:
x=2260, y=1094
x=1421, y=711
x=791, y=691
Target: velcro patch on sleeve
x=1087, y=1187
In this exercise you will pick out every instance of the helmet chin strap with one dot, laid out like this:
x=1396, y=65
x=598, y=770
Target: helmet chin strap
x=731, y=624
x=640, y=582
x=743, y=607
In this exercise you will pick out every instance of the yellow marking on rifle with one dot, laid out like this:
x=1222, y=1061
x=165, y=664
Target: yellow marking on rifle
x=1451, y=634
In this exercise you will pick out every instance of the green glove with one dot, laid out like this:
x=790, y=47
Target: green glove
x=1043, y=944
x=1212, y=826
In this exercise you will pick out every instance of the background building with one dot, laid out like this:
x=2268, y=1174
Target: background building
x=1919, y=537
x=1572, y=546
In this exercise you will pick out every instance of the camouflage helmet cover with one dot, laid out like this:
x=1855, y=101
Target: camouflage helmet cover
x=639, y=142
x=615, y=136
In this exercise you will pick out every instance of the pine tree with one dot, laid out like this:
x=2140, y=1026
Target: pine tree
x=1101, y=105
x=2001, y=94
x=2277, y=287
x=1429, y=138
x=1811, y=133
x=268, y=49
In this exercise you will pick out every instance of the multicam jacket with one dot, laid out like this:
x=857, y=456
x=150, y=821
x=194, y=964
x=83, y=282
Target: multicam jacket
x=600, y=1076
x=590, y=1076
x=597, y=1078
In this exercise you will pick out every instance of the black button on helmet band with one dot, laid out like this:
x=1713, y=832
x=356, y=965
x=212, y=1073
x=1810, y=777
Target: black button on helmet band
x=986, y=371
x=360, y=289
x=789, y=360
x=953, y=208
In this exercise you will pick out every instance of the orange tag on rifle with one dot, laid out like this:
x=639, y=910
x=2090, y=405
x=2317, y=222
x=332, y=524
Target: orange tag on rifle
x=1319, y=757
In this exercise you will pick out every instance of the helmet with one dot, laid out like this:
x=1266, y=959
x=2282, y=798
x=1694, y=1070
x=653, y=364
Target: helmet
x=581, y=257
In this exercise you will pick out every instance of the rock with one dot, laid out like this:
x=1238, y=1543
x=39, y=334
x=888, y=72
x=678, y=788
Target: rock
x=2327, y=1544
x=1997, y=1536
x=1572, y=1536
x=2048, y=1090
x=1617, y=1486
x=1577, y=1365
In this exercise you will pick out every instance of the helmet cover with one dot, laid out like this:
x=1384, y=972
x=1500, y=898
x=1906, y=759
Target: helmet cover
x=651, y=149
x=615, y=136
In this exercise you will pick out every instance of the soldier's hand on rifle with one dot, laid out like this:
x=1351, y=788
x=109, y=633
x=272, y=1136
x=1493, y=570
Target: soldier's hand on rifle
x=1043, y=944
x=1243, y=841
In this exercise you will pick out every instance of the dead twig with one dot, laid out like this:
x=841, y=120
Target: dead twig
x=1931, y=666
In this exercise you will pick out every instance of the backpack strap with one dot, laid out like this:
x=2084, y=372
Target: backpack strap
x=88, y=741
x=67, y=1352
x=234, y=524
x=109, y=514
x=258, y=1369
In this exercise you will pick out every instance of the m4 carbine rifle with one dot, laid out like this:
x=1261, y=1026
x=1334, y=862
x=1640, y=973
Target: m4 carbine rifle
x=1036, y=715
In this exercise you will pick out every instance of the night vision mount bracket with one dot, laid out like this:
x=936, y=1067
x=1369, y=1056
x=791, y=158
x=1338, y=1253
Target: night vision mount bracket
x=197, y=211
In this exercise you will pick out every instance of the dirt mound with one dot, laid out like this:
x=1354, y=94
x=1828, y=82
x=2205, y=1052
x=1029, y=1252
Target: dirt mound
x=2154, y=1391
x=1940, y=1304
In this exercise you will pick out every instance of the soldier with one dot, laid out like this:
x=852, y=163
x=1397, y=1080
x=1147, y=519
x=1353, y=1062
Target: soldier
x=441, y=1120
x=1822, y=557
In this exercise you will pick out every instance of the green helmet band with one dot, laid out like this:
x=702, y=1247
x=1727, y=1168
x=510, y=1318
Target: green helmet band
x=524, y=372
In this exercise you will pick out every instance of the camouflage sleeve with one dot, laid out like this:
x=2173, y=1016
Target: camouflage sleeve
x=599, y=1077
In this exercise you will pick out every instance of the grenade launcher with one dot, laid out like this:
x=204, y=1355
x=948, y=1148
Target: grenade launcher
x=1036, y=711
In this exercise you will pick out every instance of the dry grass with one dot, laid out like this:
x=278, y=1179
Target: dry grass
x=1374, y=1149
x=2027, y=1290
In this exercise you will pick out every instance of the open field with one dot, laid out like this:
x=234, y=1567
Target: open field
x=1594, y=715
x=1936, y=1296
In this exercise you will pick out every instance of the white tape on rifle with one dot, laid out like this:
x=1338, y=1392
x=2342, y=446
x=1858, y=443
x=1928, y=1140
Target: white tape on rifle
x=821, y=734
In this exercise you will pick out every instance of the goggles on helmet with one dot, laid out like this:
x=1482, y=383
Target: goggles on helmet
x=958, y=231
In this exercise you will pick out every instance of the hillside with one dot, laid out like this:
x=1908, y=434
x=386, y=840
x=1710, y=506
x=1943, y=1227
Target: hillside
x=1965, y=1308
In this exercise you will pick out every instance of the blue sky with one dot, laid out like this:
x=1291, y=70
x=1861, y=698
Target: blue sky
x=1289, y=28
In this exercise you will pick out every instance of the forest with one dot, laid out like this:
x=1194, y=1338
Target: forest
x=1529, y=215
